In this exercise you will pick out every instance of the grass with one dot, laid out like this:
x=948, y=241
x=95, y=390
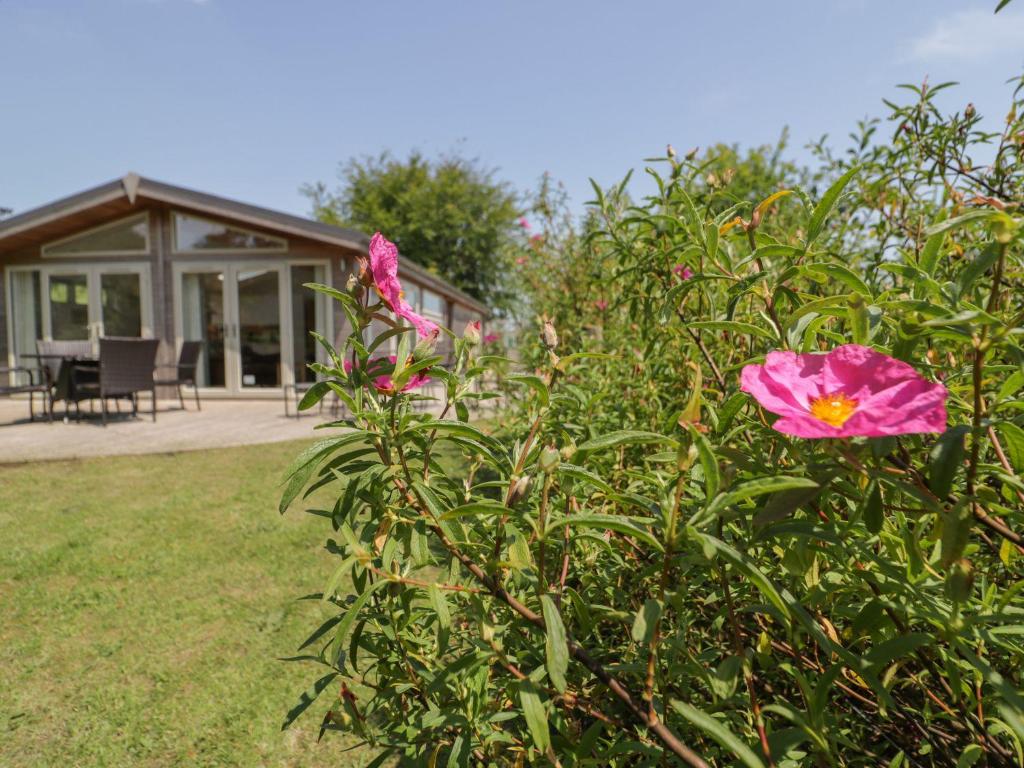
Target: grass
x=143, y=604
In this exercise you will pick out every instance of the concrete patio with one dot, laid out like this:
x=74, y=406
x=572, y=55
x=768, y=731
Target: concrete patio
x=220, y=423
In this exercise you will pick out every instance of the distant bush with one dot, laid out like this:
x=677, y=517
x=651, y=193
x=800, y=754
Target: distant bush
x=695, y=538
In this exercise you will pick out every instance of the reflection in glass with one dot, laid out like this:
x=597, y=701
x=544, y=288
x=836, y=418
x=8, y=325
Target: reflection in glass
x=304, y=320
x=195, y=234
x=259, y=328
x=128, y=236
x=121, y=305
x=202, y=308
x=69, y=307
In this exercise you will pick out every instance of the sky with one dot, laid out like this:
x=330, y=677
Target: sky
x=250, y=99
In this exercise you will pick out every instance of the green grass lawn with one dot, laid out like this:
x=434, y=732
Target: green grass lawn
x=143, y=604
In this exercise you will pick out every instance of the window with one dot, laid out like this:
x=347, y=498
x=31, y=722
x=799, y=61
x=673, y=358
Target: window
x=121, y=303
x=192, y=233
x=306, y=311
x=433, y=304
x=26, y=314
x=69, y=307
x=124, y=237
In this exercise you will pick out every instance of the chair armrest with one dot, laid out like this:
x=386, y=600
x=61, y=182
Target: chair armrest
x=20, y=369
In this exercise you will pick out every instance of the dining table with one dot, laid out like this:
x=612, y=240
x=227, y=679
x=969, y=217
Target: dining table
x=71, y=368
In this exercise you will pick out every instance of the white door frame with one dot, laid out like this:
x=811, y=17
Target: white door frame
x=92, y=272
x=232, y=352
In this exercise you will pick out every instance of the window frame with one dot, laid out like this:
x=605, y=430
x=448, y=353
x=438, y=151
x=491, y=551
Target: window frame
x=176, y=249
x=46, y=253
x=93, y=273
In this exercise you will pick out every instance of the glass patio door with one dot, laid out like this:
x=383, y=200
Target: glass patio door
x=254, y=321
x=257, y=294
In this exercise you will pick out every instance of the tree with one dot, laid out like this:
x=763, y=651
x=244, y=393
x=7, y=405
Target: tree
x=450, y=215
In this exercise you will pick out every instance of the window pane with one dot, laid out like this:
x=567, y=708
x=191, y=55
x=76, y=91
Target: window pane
x=413, y=295
x=27, y=316
x=433, y=304
x=69, y=307
x=202, y=314
x=304, y=320
x=129, y=236
x=195, y=234
x=259, y=328
x=121, y=305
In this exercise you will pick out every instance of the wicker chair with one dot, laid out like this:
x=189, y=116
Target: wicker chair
x=188, y=361
x=56, y=366
x=126, y=368
x=31, y=388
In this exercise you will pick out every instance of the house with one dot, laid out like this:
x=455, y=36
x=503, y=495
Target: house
x=138, y=257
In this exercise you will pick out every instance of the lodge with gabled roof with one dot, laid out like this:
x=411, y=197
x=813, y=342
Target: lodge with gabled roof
x=138, y=257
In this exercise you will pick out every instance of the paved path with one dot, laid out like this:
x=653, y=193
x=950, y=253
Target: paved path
x=220, y=423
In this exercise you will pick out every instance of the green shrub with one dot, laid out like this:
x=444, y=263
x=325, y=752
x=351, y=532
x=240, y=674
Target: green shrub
x=634, y=567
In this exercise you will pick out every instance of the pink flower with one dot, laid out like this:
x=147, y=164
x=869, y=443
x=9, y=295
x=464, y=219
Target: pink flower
x=683, y=271
x=524, y=223
x=521, y=260
x=381, y=369
x=536, y=239
x=384, y=267
x=601, y=304
x=472, y=332
x=851, y=391
x=491, y=338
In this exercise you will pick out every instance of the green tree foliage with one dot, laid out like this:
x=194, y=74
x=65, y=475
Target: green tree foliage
x=451, y=215
x=635, y=569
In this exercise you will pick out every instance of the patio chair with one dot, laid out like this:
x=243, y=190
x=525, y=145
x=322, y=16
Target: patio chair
x=126, y=368
x=31, y=388
x=56, y=368
x=188, y=361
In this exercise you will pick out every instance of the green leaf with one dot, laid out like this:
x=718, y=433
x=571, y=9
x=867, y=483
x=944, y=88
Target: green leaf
x=619, y=523
x=719, y=732
x=885, y=653
x=351, y=614
x=1013, y=439
x=646, y=620
x=708, y=462
x=313, y=395
x=585, y=476
x=759, y=487
x=533, y=382
x=956, y=530
x=973, y=752
x=946, y=457
x=784, y=503
x=873, y=511
x=977, y=214
x=733, y=327
x=307, y=698
x=440, y=606
x=476, y=508
x=826, y=204
x=624, y=437
x=761, y=581
x=556, y=648
x=842, y=274
x=929, y=257
x=535, y=714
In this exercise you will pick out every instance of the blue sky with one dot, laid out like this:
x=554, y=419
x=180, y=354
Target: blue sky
x=251, y=98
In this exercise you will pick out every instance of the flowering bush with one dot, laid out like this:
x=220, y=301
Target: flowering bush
x=759, y=501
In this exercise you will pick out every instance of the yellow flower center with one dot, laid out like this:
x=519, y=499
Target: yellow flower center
x=833, y=409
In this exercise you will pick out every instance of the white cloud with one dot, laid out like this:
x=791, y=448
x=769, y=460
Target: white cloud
x=973, y=35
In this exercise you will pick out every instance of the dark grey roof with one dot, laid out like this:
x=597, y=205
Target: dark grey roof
x=133, y=186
